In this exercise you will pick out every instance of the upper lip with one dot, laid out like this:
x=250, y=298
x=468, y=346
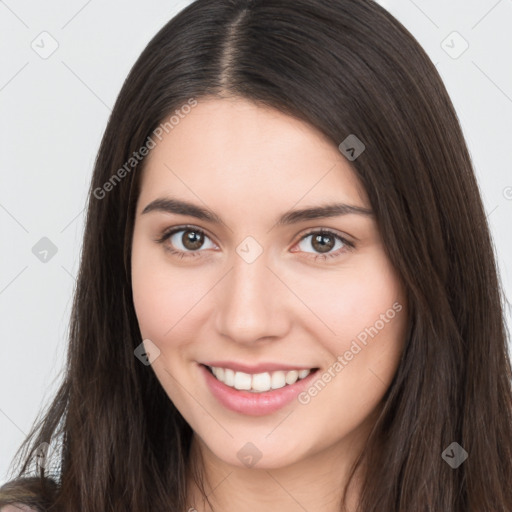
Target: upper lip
x=258, y=368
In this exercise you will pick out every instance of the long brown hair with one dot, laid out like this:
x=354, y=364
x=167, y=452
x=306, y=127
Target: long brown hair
x=346, y=67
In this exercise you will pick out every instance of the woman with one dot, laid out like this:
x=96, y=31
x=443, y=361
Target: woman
x=288, y=297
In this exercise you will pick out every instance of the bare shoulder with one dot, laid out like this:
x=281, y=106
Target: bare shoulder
x=17, y=507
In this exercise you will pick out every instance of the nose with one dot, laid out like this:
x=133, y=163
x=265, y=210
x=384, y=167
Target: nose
x=253, y=303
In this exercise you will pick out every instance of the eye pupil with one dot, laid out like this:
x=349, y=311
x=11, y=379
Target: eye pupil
x=320, y=239
x=192, y=240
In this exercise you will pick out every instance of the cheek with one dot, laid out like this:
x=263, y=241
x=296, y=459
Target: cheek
x=153, y=302
x=368, y=314
x=370, y=336
x=352, y=299
x=164, y=295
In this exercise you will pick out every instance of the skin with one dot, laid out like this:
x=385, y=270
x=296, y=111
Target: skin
x=250, y=164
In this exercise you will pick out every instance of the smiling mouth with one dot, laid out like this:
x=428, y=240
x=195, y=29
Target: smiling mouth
x=258, y=382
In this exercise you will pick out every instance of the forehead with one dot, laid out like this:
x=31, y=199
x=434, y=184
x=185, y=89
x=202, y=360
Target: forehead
x=229, y=151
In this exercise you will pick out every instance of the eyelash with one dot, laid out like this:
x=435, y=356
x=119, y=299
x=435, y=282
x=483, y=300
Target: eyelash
x=186, y=254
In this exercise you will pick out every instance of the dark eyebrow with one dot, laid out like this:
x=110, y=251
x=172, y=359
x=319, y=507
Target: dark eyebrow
x=169, y=205
x=180, y=207
x=322, y=212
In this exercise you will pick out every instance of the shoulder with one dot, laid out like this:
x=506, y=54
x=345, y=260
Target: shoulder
x=17, y=507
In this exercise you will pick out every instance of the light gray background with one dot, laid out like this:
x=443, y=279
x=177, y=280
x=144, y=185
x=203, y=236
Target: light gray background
x=52, y=115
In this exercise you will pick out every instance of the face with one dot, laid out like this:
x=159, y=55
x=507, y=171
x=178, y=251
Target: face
x=264, y=300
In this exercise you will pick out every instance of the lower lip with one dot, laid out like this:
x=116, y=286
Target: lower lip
x=254, y=404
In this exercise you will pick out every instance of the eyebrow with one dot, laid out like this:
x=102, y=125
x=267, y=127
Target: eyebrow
x=171, y=205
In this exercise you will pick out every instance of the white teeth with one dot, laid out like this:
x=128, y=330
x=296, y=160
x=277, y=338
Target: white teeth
x=242, y=380
x=229, y=377
x=278, y=380
x=291, y=377
x=259, y=382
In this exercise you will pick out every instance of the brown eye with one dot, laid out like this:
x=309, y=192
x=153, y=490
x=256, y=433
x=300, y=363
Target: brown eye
x=189, y=241
x=185, y=241
x=323, y=242
x=192, y=239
